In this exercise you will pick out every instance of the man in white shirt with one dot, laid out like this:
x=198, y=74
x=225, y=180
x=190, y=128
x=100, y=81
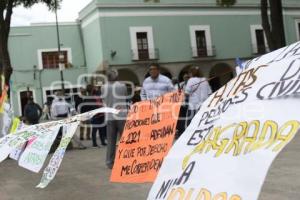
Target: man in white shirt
x=60, y=108
x=198, y=90
x=156, y=84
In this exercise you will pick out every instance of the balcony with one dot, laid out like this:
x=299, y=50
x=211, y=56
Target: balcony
x=209, y=51
x=144, y=55
x=260, y=49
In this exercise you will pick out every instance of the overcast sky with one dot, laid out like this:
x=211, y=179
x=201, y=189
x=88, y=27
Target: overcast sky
x=40, y=13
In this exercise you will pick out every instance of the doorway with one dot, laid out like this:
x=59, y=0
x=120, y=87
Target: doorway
x=23, y=99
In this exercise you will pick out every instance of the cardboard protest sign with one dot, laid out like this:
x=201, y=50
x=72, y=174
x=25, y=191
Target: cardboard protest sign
x=53, y=166
x=147, y=137
x=229, y=146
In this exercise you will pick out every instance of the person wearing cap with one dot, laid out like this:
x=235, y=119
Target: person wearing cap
x=114, y=95
x=156, y=84
x=198, y=90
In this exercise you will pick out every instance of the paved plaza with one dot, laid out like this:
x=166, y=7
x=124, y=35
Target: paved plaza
x=83, y=176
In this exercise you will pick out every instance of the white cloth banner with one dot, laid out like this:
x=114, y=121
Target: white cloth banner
x=17, y=152
x=37, y=151
x=39, y=139
x=12, y=142
x=232, y=141
x=53, y=166
x=4, y=147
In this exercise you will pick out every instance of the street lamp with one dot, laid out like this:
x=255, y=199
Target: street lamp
x=60, y=55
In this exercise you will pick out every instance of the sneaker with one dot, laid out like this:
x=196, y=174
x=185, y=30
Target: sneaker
x=82, y=147
x=96, y=146
x=104, y=144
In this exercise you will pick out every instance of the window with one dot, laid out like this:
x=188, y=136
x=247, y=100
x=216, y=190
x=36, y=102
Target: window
x=298, y=29
x=49, y=58
x=142, y=44
x=259, y=42
x=201, y=41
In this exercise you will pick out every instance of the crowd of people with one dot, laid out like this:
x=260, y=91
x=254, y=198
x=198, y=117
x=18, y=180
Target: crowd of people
x=114, y=93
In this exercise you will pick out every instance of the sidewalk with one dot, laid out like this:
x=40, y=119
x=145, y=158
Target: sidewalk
x=83, y=176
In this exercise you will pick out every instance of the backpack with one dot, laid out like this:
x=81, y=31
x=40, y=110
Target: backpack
x=31, y=112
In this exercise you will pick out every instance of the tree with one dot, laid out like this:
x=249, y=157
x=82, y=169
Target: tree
x=6, y=11
x=273, y=25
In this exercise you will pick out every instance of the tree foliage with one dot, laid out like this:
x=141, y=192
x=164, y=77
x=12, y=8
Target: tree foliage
x=6, y=12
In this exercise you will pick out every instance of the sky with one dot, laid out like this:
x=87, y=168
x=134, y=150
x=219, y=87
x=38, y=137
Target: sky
x=40, y=13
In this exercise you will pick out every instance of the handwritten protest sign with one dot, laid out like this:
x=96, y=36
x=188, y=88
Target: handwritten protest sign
x=39, y=139
x=148, y=135
x=53, y=166
x=36, y=152
x=227, y=150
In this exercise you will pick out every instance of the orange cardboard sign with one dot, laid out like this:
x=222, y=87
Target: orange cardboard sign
x=147, y=138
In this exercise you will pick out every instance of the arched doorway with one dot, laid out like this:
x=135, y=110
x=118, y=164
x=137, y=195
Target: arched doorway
x=128, y=75
x=184, y=71
x=132, y=81
x=163, y=71
x=220, y=74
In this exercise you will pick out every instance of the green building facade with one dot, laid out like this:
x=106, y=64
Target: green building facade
x=128, y=35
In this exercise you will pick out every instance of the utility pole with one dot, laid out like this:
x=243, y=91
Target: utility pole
x=60, y=56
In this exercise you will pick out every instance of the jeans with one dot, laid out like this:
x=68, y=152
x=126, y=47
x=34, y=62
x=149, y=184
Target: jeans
x=85, y=126
x=98, y=126
x=190, y=116
x=114, y=127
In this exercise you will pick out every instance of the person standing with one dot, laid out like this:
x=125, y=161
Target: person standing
x=32, y=112
x=197, y=90
x=85, y=126
x=181, y=124
x=114, y=95
x=156, y=84
x=60, y=108
x=46, y=111
x=97, y=121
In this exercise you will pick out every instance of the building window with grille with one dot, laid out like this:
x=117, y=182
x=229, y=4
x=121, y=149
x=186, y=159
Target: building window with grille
x=201, y=43
x=298, y=29
x=143, y=47
x=50, y=58
x=259, y=41
x=142, y=43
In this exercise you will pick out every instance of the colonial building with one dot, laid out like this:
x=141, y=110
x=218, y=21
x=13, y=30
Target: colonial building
x=130, y=34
